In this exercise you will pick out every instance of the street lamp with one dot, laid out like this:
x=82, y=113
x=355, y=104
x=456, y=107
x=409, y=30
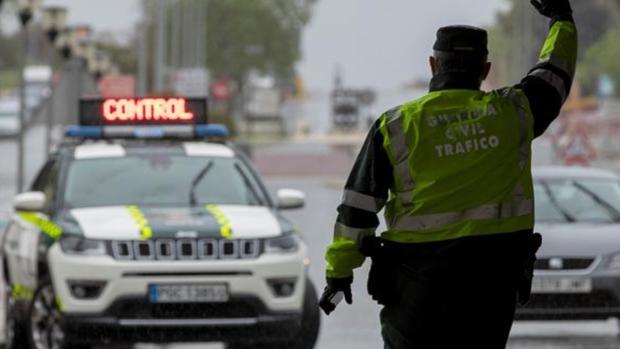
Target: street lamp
x=63, y=43
x=80, y=33
x=70, y=47
x=54, y=19
x=25, y=12
x=99, y=64
x=85, y=50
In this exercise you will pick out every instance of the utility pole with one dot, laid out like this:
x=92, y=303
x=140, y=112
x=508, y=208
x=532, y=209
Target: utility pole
x=26, y=10
x=175, y=34
x=187, y=33
x=202, y=34
x=160, y=45
x=143, y=54
x=54, y=22
x=22, y=109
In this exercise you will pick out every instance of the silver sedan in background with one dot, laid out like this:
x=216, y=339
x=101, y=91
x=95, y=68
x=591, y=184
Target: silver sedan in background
x=577, y=274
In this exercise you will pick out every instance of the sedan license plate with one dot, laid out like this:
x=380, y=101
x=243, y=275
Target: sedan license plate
x=191, y=293
x=561, y=285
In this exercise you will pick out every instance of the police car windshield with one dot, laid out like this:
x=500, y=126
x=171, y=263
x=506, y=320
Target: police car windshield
x=159, y=180
x=577, y=201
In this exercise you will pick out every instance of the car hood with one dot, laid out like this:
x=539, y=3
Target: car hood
x=579, y=240
x=118, y=222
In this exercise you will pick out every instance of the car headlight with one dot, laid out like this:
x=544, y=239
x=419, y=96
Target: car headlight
x=282, y=244
x=80, y=246
x=614, y=261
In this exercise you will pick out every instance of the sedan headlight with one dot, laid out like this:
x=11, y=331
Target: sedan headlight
x=614, y=261
x=282, y=244
x=84, y=247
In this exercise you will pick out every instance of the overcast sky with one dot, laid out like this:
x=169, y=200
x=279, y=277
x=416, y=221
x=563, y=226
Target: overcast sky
x=381, y=43
x=115, y=15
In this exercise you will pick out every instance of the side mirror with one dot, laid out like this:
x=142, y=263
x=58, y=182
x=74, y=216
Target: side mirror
x=289, y=199
x=33, y=201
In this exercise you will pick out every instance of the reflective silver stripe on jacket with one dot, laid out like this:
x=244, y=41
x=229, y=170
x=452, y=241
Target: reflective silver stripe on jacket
x=354, y=234
x=401, y=156
x=520, y=104
x=519, y=208
x=552, y=79
x=560, y=64
x=362, y=201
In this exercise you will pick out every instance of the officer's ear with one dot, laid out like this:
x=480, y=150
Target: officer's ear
x=486, y=69
x=433, y=63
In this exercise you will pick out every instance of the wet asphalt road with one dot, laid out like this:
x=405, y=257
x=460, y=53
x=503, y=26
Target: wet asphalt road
x=351, y=326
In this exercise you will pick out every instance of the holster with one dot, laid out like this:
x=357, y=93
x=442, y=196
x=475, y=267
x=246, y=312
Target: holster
x=525, y=285
x=382, y=283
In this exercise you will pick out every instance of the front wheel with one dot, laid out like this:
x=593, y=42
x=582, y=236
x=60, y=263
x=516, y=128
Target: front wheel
x=45, y=321
x=311, y=320
x=310, y=326
x=15, y=331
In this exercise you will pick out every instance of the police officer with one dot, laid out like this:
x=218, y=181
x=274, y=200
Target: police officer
x=453, y=172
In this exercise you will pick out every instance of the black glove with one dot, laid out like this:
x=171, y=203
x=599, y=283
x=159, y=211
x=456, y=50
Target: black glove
x=333, y=287
x=553, y=8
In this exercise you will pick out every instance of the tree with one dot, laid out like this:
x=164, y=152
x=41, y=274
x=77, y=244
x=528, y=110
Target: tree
x=600, y=59
x=595, y=19
x=121, y=55
x=255, y=35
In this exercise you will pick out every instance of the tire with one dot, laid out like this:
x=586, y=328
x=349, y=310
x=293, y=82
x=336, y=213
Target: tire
x=45, y=329
x=15, y=333
x=310, y=326
x=311, y=320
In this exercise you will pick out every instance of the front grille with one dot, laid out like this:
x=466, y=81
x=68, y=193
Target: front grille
x=563, y=263
x=143, y=309
x=596, y=299
x=185, y=249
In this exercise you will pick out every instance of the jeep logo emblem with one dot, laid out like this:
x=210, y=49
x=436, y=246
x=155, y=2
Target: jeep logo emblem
x=556, y=263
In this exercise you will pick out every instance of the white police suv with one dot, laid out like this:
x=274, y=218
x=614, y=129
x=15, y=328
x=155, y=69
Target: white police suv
x=138, y=229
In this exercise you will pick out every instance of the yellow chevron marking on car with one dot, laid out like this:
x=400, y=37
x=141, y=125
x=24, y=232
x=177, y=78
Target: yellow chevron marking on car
x=21, y=292
x=143, y=224
x=45, y=225
x=59, y=303
x=222, y=220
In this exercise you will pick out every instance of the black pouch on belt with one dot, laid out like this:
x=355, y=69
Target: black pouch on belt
x=382, y=278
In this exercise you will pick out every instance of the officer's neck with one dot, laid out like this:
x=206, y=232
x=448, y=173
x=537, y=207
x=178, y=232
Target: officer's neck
x=454, y=81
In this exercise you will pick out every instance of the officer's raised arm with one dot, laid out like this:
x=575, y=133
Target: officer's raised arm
x=365, y=194
x=548, y=84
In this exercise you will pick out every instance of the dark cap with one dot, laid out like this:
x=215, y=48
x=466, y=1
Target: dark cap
x=462, y=38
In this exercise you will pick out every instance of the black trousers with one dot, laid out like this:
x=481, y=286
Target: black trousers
x=460, y=295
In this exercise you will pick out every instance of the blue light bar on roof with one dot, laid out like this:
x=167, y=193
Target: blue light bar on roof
x=88, y=132
x=211, y=130
x=148, y=132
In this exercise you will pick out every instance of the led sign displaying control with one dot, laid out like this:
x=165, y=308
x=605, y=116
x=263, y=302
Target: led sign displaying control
x=146, y=109
x=143, y=111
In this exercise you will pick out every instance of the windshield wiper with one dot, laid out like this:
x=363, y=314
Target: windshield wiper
x=569, y=218
x=599, y=200
x=199, y=177
x=248, y=183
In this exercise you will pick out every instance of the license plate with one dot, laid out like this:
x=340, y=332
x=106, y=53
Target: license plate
x=196, y=293
x=561, y=285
